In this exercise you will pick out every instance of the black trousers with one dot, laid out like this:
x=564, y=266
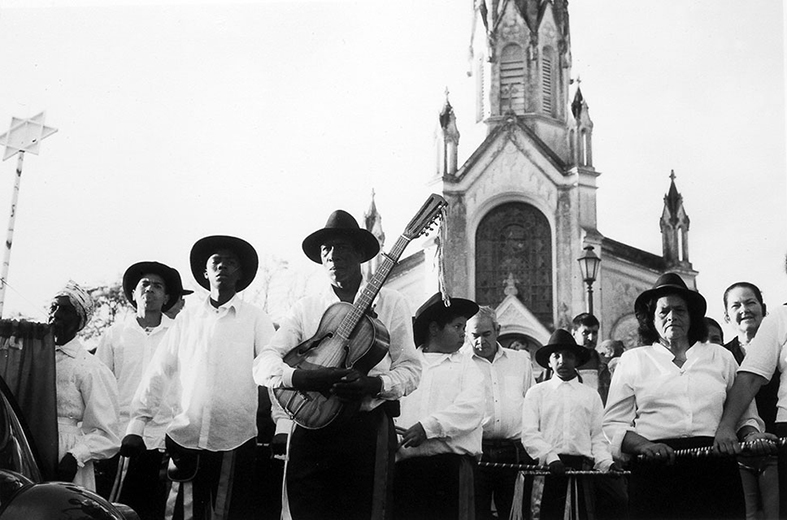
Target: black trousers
x=335, y=472
x=496, y=485
x=224, y=481
x=692, y=488
x=144, y=488
x=434, y=488
x=781, y=431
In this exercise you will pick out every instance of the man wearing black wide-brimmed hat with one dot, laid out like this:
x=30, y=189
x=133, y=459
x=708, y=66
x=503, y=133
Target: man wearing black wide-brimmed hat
x=343, y=470
x=127, y=348
x=207, y=354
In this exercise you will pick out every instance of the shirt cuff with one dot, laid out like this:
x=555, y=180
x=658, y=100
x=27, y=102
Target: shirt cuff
x=136, y=427
x=604, y=465
x=81, y=454
x=286, y=376
x=431, y=428
x=550, y=458
x=283, y=426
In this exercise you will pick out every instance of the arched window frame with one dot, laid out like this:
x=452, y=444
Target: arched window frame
x=512, y=79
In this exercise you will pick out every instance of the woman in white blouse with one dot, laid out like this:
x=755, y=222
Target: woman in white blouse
x=669, y=395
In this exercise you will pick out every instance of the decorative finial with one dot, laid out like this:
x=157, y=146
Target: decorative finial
x=25, y=135
x=672, y=175
x=510, y=288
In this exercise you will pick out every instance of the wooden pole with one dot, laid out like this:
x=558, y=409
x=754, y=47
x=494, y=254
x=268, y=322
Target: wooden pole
x=10, y=234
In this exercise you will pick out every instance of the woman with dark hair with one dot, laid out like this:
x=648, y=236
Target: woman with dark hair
x=668, y=395
x=744, y=309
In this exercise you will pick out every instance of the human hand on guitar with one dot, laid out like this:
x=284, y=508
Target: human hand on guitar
x=355, y=386
x=319, y=379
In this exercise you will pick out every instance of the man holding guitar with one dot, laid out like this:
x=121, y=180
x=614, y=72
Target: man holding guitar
x=340, y=457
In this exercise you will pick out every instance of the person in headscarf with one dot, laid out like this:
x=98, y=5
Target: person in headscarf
x=87, y=395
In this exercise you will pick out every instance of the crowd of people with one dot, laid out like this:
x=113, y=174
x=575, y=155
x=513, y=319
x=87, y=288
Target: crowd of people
x=381, y=413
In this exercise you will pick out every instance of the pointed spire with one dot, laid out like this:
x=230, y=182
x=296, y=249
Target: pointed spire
x=579, y=101
x=373, y=221
x=673, y=200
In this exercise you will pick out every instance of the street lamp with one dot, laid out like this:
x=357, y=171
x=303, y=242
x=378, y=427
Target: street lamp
x=588, y=264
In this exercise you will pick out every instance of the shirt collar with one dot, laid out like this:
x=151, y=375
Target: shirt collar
x=234, y=303
x=71, y=348
x=555, y=382
x=437, y=357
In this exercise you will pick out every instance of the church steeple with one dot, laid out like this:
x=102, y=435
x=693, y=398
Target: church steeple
x=447, y=140
x=675, y=228
x=373, y=222
x=521, y=62
x=581, y=134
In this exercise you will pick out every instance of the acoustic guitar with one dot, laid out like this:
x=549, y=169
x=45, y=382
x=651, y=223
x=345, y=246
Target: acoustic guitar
x=348, y=337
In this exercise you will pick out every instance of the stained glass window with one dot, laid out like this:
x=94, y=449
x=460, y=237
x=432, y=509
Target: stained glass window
x=515, y=240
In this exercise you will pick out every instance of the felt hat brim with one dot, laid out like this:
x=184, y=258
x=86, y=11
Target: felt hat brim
x=562, y=340
x=434, y=308
x=341, y=224
x=171, y=277
x=204, y=248
x=671, y=283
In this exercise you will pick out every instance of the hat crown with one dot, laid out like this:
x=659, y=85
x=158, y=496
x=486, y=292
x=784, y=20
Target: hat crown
x=340, y=219
x=561, y=337
x=670, y=280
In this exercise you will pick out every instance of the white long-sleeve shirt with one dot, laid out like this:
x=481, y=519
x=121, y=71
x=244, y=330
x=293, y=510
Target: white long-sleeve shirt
x=656, y=399
x=399, y=370
x=767, y=352
x=564, y=417
x=449, y=404
x=87, y=398
x=127, y=348
x=507, y=379
x=210, y=351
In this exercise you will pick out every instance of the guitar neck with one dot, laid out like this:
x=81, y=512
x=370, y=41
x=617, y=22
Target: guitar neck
x=364, y=301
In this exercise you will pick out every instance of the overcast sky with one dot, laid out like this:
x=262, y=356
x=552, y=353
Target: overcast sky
x=257, y=119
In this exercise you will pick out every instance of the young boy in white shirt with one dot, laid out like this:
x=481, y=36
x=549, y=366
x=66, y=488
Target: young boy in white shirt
x=562, y=424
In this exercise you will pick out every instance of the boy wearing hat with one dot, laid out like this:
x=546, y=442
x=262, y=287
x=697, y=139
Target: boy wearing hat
x=343, y=469
x=208, y=353
x=441, y=421
x=126, y=348
x=562, y=422
x=87, y=396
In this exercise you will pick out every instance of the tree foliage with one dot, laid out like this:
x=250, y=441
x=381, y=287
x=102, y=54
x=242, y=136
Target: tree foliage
x=110, y=304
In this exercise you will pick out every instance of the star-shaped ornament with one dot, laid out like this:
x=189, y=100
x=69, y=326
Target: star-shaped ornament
x=25, y=135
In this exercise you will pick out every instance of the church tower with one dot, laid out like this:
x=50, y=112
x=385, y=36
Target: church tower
x=522, y=207
x=373, y=222
x=675, y=229
x=521, y=62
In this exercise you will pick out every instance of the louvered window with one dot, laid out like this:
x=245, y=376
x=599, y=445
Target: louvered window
x=512, y=75
x=547, y=81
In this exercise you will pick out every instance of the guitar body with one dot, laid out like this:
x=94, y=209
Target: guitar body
x=366, y=346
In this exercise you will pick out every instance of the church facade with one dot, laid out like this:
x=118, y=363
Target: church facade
x=522, y=207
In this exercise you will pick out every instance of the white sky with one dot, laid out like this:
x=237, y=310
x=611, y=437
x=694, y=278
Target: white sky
x=259, y=118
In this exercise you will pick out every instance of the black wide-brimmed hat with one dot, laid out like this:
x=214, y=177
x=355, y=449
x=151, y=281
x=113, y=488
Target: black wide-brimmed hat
x=171, y=277
x=204, y=248
x=671, y=283
x=434, y=308
x=341, y=224
x=562, y=340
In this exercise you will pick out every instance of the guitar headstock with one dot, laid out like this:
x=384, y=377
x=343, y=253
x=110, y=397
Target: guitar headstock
x=425, y=217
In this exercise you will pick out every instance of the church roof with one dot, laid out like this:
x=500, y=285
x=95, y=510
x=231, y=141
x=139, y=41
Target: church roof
x=512, y=123
x=631, y=254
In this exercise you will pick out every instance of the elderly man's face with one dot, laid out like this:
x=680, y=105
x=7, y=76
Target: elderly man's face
x=341, y=261
x=150, y=293
x=482, y=335
x=64, y=320
x=223, y=270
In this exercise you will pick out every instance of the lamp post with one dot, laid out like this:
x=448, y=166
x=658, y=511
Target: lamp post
x=588, y=264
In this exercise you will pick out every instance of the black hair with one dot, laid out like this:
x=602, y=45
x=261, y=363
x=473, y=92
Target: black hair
x=698, y=329
x=586, y=319
x=745, y=285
